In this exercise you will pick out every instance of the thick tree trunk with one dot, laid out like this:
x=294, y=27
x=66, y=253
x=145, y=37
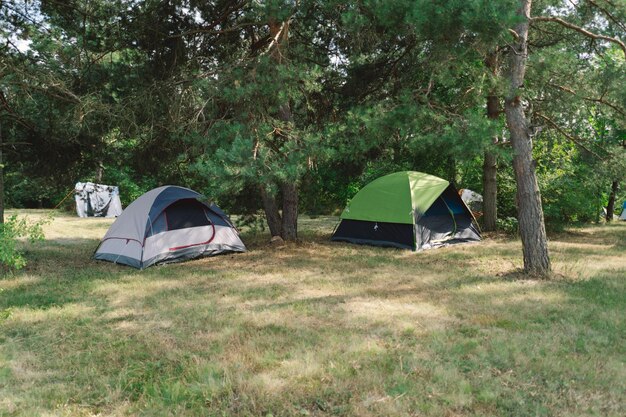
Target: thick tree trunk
x=279, y=33
x=490, y=164
x=610, y=208
x=272, y=214
x=290, y=211
x=530, y=212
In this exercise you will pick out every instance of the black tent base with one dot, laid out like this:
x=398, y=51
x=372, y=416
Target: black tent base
x=402, y=236
x=383, y=234
x=396, y=245
x=379, y=243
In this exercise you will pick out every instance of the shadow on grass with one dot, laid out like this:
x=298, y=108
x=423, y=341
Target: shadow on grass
x=311, y=327
x=58, y=272
x=605, y=235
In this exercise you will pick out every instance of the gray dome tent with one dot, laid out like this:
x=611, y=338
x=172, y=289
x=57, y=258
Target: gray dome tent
x=168, y=224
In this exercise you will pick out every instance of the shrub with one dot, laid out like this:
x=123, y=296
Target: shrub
x=508, y=225
x=11, y=231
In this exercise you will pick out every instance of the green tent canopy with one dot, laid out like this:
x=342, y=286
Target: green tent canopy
x=407, y=209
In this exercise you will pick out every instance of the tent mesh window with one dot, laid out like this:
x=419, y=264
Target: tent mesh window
x=186, y=213
x=181, y=214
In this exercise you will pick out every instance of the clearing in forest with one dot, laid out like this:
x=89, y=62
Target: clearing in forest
x=316, y=328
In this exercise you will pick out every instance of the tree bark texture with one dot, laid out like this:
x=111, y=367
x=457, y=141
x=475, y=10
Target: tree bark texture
x=490, y=192
x=272, y=214
x=530, y=211
x=290, y=211
x=610, y=207
x=99, y=171
x=490, y=163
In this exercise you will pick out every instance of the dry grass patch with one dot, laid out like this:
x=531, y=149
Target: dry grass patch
x=316, y=328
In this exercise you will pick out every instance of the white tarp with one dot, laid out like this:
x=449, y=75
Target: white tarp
x=472, y=199
x=97, y=200
x=623, y=215
x=603, y=214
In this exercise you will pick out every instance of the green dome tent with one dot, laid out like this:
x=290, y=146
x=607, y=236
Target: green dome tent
x=409, y=210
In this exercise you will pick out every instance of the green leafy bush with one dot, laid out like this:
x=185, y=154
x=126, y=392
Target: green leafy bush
x=253, y=222
x=10, y=232
x=508, y=225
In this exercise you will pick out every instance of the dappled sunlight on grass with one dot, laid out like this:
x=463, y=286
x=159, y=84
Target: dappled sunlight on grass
x=59, y=223
x=22, y=280
x=29, y=316
x=393, y=314
x=132, y=290
x=316, y=328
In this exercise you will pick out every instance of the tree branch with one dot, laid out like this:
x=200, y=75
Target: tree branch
x=607, y=13
x=12, y=114
x=600, y=100
x=215, y=31
x=514, y=33
x=581, y=30
x=572, y=138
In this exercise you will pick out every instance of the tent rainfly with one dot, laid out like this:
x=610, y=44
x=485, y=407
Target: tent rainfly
x=168, y=224
x=623, y=215
x=409, y=210
x=97, y=200
x=473, y=201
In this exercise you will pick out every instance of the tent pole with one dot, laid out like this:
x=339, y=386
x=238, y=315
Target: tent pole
x=451, y=213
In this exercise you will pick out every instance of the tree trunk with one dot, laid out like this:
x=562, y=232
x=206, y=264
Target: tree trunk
x=610, y=208
x=280, y=34
x=290, y=211
x=490, y=164
x=272, y=215
x=530, y=211
x=452, y=170
x=99, y=171
x=490, y=192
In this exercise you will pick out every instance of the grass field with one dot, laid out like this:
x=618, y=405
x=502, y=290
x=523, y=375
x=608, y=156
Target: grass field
x=316, y=329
